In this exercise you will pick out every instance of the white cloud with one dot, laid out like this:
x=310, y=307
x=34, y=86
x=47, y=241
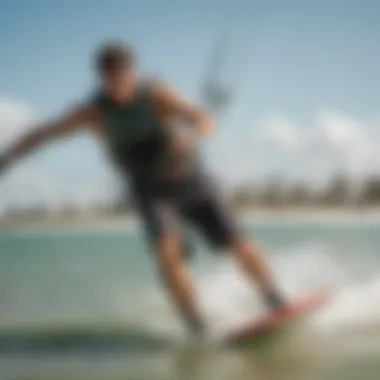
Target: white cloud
x=280, y=133
x=340, y=142
x=15, y=118
x=334, y=142
x=351, y=142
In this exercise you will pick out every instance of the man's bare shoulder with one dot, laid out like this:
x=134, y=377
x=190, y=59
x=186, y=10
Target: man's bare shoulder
x=165, y=96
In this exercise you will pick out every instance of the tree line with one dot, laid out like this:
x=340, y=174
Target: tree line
x=340, y=192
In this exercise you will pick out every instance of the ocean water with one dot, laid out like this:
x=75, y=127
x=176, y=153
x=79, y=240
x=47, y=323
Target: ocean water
x=87, y=304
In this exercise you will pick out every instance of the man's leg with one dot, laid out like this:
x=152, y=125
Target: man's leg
x=175, y=275
x=216, y=222
x=257, y=269
x=164, y=229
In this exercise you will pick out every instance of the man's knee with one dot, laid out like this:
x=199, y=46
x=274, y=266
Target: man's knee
x=242, y=246
x=173, y=247
x=168, y=249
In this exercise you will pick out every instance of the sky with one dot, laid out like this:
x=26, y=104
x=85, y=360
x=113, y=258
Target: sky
x=304, y=72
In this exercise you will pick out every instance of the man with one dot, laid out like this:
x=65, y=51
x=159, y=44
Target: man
x=136, y=122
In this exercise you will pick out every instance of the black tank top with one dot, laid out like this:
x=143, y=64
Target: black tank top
x=138, y=142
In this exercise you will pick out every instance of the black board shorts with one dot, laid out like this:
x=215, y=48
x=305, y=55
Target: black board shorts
x=167, y=208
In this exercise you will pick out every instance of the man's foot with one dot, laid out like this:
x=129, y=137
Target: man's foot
x=275, y=301
x=198, y=328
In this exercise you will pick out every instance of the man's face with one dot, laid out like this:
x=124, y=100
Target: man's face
x=119, y=83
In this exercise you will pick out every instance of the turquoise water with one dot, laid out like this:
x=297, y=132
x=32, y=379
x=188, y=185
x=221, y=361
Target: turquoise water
x=87, y=304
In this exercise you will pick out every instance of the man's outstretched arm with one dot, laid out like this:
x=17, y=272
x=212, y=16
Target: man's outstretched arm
x=45, y=133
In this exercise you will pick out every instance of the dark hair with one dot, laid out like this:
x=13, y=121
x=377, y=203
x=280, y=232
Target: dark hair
x=113, y=56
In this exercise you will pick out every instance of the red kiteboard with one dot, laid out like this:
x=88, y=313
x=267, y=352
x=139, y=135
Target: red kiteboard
x=270, y=322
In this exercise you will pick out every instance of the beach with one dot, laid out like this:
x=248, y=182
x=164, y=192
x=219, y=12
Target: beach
x=259, y=214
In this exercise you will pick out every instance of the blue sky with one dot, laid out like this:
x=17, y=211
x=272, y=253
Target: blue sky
x=292, y=58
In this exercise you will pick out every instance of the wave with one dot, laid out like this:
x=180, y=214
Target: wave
x=89, y=339
x=228, y=298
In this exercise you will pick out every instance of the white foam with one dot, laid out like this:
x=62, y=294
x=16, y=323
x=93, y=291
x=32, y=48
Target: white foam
x=228, y=298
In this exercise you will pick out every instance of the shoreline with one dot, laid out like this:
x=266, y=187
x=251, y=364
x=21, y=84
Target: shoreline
x=258, y=215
